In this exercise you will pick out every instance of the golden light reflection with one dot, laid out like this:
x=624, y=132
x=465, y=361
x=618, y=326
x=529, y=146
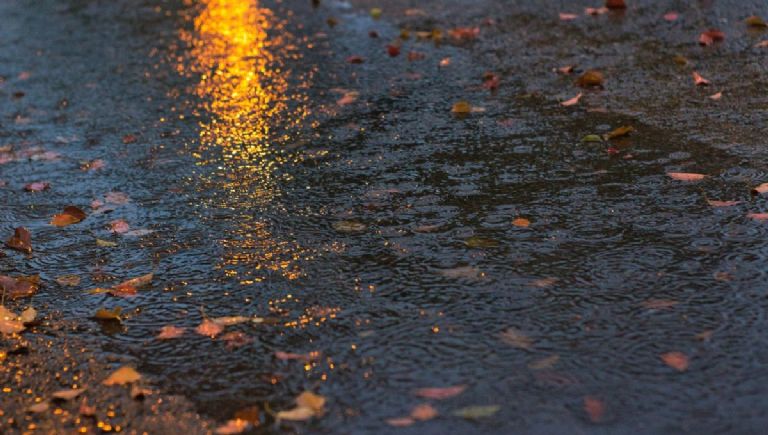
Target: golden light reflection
x=252, y=103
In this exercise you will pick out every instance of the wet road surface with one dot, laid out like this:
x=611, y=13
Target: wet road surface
x=346, y=208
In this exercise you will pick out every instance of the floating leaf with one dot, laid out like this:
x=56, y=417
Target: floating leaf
x=716, y=96
x=232, y=427
x=440, y=393
x=209, y=328
x=169, y=332
x=715, y=203
x=400, y=421
x=615, y=4
x=130, y=286
x=521, y=222
x=619, y=132
x=686, y=176
x=758, y=216
x=461, y=108
x=423, y=412
x=659, y=304
x=671, y=16
x=19, y=287
x=67, y=394
x=38, y=408
x=105, y=243
x=70, y=215
x=592, y=138
x=762, y=188
x=481, y=242
x=595, y=409
x=9, y=322
x=119, y=226
x=37, y=186
x=565, y=16
x=349, y=226
x=573, y=101
x=476, y=412
x=105, y=314
x=28, y=315
x=68, y=280
x=355, y=59
x=466, y=272
x=591, y=78
x=308, y=405
x=711, y=36
x=676, y=360
x=376, y=13
x=123, y=375
x=516, y=338
x=698, y=80
x=755, y=21
x=21, y=240
x=544, y=363
x=231, y=320
x=118, y=198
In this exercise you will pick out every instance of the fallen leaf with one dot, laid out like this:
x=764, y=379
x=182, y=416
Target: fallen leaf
x=595, y=409
x=93, y=165
x=698, y=80
x=105, y=314
x=119, y=226
x=423, y=412
x=400, y=421
x=491, y=81
x=762, y=44
x=209, y=328
x=349, y=226
x=715, y=203
x=9, y=322
x=564, y=16
x=440, y=393
x=686, y=176
x=481, y=242
x=477, y=412
x=758, y=216
x=67, y=394
x=230, y=320
x=461, y=108
x=19, y=287
x=21, y=240
x=376, y=13
x=521, y=222
x=762, y=188
x=129, y=138
x=592, y=138
x=37, y=186
x=544, y=282
x=232, y=427
x=596, y=11
x=446, y=61
x=355, y=59
x=38, y=408
x=131, y=285
x=619, y=132
x=348, y=98
x=169, y=332
x=464, y=33
x=544, y=363
x=755, y=21
x=123, y=375
x=117, y=198
x=573, y=101
x=659, y=304
x=306, y=357
x=308, y=405
x=68, y=280
x=236, y=339
x=671, y=16
x=711, y=36
x=28, y=315
x=568, y=69
x=591, y=78
x=70, y=215
x=716, y=96
x=105, y=243
x=516, y=338
x=676, y=360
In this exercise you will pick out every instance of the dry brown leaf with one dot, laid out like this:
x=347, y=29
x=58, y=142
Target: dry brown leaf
x=590, y=79
x=70, y=215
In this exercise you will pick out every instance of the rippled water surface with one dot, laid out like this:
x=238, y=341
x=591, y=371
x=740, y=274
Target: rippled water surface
x=380, y=233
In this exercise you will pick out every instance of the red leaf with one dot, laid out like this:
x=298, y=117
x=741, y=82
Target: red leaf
x=671, y=16
x=758, y=216
x=465, y=33
x=355, y=59
x=393, y=50
x=615, y=4
x=711, y=36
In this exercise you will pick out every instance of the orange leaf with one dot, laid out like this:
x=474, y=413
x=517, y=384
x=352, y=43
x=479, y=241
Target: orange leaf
x=686, y=176
x=438, y=393
x=119, y=226
x=209, y=328
x=70, y=215
x=590, y=79
x=758, y=216
x=169, y=332
x=711, y=36
x=423, y=412
x=521, y=222
x=676, y=360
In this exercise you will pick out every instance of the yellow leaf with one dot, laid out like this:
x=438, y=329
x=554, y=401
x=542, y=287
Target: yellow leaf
x=123, y=375
x=105, y=243
x=312, y=401
x=105, y=314
x=28, y=315
x=461, y=107
x=296, y=414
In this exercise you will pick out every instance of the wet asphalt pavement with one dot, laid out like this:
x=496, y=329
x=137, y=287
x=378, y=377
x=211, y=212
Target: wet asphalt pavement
x=388, y=243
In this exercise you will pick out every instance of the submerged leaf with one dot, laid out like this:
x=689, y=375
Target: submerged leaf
x=619, y=132
x=595, y=409
x=440, y=393
x=516, y=338
x=105, y=314
x=755, y=21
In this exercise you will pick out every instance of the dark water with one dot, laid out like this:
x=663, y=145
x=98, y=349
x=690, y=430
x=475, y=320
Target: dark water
x=245, y=167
